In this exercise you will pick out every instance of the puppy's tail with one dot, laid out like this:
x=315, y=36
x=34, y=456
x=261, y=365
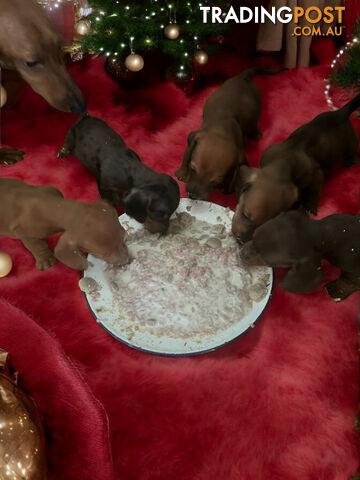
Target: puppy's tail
x=253, y=72
x=351, y=106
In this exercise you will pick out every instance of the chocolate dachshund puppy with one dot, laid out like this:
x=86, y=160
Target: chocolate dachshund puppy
x=291, y=172
x=31, y=45
x=294, y=240
x=216, y=149
x=33, y=213
x=148, y=196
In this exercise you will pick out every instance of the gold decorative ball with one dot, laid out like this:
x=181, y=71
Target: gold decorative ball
x=3, y=96
x=172, y=31
x=82, y=27
x=134, y=62
x=5, y=264
x=201, y=57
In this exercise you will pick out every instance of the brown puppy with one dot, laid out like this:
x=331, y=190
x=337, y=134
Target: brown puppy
x=291, y=172
x=33, y=213
x=294, y=240
x=30, y=44
x=216, y=149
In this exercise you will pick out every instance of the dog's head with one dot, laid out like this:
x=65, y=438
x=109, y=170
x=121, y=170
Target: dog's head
x=30, y=44
x=210, y=161
x=98, y=233
x=153, y=204
x=288, y=240
x=260, y=198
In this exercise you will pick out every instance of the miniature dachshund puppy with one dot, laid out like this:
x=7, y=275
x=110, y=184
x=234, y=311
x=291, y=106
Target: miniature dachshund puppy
x=31, y=213
x=216, y=149
x=294, y=240
x=147, y=196
x=31, y=46
x=291, y=173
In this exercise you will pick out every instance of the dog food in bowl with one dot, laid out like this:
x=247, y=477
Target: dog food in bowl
x=187, y=283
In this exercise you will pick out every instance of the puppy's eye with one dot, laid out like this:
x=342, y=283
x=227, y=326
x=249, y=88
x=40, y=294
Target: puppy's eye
x=245, y=216
x=34, y=64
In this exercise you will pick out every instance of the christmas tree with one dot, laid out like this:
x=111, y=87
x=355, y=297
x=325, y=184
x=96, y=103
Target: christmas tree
x=123, y=30
x=346, y=73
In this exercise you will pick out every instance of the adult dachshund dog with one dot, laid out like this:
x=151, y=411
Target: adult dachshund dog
x=30, y=44
x=294, y=240
x=32, y=213
x=148, y=196
x=216, y=149
x=291, y=173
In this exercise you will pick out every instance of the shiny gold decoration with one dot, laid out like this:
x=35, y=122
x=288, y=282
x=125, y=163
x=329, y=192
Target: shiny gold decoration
x=201, y=57
x=134, y=62
x=5, y=265
x=75, y=52
x=82, y=27
x=3, y=96
x=172, y=31
x=22, y=440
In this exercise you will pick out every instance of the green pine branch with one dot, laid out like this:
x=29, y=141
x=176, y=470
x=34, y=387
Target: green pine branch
x=119, y=27
x=347, y=74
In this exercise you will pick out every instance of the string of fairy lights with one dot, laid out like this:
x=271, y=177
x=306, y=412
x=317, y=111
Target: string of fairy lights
x=333, y=65
x=99, y=26
x=188, y=47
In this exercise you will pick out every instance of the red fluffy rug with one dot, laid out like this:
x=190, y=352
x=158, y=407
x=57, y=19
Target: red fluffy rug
x=279, y=403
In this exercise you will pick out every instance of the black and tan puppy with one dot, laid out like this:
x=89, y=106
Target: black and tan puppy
x=31, y=45
x=216, y=149
x=294, y=240
x=148, y=196
x=291, y=172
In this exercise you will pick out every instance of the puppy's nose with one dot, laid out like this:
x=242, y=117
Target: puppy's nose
x=77, y=102
x=193, y=196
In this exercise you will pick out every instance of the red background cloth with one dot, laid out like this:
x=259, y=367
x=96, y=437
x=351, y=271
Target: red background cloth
x=279, y=403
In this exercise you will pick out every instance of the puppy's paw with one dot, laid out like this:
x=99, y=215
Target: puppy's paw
x=10, y=156
x=337, y=291
x=63, y=152
x=46, y=262
x=309, y=209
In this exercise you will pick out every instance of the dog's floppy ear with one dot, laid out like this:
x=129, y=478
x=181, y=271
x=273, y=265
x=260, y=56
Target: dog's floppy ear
x=304, y=277
x=68, y=252
x=183, y=172
x=136, y=204
x=245, y=175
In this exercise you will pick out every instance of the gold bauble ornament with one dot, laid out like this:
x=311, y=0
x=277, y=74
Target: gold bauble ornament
x=134, y=62
x=5, y=264
x=22, y=444
x=82, y=27
x=201, y=57
x=172, y=31
x=3, y=96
